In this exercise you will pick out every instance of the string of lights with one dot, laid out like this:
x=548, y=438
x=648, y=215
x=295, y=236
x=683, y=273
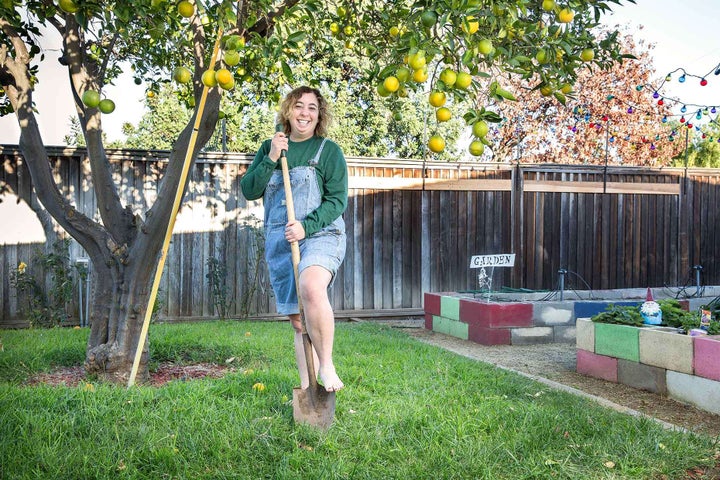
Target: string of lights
x=690, y=116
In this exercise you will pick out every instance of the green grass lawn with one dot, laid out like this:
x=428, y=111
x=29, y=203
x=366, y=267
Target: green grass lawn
x=409, y=411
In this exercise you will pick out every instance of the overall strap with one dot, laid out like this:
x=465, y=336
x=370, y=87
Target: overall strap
x=316, y=159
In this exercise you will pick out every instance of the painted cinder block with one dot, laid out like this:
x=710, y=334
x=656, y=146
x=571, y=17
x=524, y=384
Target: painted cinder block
x=459, y=329
x=552, y=314
x=598, y=366
x=642, y=377
x=496, y=315
x=621, y=341
x=489, y=336
x=668, y=350
x=431, y=303
x=591, y=308
x=450, y=307
x=441, y=325
x=564, y=334
x=701, y=392
x=429, y=321
x=585, y=334
x=531, y=335
x=706, y=360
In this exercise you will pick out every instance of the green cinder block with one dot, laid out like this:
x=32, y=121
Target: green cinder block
x=440, y=324
x=450, y=307
x=619, y=341
x=460, y=330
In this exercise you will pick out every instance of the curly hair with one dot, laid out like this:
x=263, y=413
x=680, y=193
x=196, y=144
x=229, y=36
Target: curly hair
x=324, y=115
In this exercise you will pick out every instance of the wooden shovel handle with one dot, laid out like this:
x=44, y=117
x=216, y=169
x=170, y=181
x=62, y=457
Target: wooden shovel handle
x=295, y=252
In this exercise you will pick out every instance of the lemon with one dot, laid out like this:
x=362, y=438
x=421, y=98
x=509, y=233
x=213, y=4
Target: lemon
x=185, y=8
x=436, y=143
x=391, y=84
x=476, y=148
x=443, y=114
x=437, y=99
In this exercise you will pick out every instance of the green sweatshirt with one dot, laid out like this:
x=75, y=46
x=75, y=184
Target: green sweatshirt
x=331, y=173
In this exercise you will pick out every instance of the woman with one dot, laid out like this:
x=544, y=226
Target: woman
x=318, y=175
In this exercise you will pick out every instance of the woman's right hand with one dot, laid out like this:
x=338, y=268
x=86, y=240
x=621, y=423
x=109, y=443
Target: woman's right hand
x=278, y=144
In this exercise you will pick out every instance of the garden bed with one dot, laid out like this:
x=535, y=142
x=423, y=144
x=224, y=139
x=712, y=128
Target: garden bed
x=529, y=318
x=656, y=359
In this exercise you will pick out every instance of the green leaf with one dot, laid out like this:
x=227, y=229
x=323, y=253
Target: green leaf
x=297, y=37
x=287, y=71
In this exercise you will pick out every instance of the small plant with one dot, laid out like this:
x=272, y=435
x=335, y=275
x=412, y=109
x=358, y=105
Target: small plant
x=46, y=308
x=252, y=225
x=217, y=277
x=623, y=315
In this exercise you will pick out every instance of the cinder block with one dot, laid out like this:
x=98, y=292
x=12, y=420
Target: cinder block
x=591, y=308
x=564, y=334
x=496, y=315
x=489, y=336
x=442, y=325
x=585, y=334
x=621, y=341
x=450, y=307
x=598, y=366
x=552, y=314
x=428, y=321
x=431, y=303
x=701, y=392
x=642, y=377
x=531, y=335
x=668, y=350
x=707, y=357
x=459, y=329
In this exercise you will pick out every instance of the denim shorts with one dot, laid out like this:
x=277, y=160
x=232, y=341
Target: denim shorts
x=325, y=248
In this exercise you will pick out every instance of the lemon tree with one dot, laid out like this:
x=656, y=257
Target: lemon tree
x=266, y=46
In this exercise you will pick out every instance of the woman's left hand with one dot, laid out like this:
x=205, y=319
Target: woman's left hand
x=294, y=231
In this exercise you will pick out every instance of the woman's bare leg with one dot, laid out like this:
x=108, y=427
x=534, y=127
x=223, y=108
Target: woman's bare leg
x=320, y=322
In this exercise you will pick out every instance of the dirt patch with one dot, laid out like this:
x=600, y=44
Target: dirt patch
x=166, y=372
x=556, y=362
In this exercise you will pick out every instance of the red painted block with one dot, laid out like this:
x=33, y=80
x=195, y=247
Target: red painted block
x=428, y=321
x=598, y=366
x=489, y=336
x=706, y=360
x=496, y=315
x=432, y=303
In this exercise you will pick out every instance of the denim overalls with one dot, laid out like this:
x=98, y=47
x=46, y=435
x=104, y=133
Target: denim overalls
x=325, y=248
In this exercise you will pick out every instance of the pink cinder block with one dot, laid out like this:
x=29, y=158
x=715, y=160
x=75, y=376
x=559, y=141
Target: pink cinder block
x=432, y=303
x=598, y=366
x=489, y=336
x=706, y=360
x=496, y=315
x=428, y=321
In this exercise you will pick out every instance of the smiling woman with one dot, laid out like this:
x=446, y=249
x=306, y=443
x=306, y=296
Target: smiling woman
x=318, y=174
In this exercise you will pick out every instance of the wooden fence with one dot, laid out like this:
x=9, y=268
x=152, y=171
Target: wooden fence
x=413, y=226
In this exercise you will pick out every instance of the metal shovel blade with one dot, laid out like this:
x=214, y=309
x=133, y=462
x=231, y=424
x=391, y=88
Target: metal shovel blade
x=314, y=406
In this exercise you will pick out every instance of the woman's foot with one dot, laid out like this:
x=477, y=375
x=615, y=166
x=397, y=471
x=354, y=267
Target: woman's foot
x=329, y=379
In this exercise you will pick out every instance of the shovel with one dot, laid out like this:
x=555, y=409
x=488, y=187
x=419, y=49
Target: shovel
x=313, y=406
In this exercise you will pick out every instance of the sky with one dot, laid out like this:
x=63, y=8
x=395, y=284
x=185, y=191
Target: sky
x=684, y=37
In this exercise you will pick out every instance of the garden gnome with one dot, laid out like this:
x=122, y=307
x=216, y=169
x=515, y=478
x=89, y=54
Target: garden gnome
x=650, y=310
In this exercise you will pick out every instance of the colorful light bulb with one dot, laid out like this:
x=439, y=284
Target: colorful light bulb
x=630, y=110
x=683, y=109
x=682, y=78
x=660, y=102
x=713, y=110
x=703, y=82
x=664, y=120
x=656, y=95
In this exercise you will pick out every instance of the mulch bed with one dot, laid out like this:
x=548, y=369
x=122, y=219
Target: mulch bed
x=166, y=372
